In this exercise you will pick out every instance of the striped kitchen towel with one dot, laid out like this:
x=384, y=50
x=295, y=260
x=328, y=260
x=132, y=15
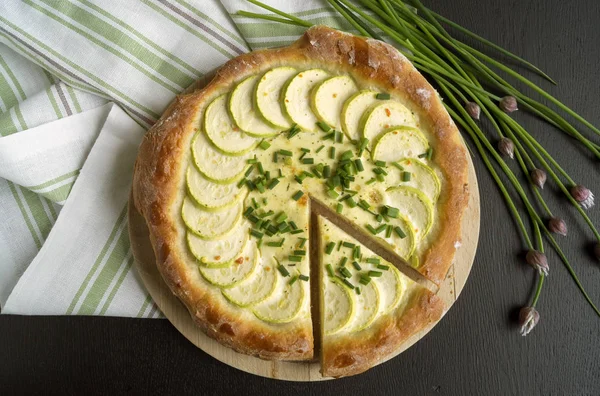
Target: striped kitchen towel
x=66, y=153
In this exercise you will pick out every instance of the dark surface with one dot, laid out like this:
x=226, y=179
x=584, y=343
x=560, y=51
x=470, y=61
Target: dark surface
x=475, y=349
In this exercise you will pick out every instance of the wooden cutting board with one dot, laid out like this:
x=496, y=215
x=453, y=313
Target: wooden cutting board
x=178, y=315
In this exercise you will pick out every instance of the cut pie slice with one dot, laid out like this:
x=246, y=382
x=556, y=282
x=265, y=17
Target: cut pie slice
x=368, y=308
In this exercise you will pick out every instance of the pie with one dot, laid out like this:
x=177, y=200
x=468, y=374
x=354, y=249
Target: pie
x=235, y=179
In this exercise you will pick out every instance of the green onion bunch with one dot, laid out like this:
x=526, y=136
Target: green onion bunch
x=471, y=85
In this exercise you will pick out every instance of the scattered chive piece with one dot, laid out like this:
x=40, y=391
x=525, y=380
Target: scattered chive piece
x=253, y=218
x=304, y=278
x=343, y=261
x=330, y=270
x=371, y=181
x=429, y=153
x=280, y=173
x=397, y=165
x=356, y=252
x=380, y=171
x=252, y=161
x=329, y=247
x=345, y=273
x=282, y=226
x=324, y=127
x=392, y=212
x=276, y=244
x=339, y=245
x=291, y=265
x=241, y=182
x=373, y=260
x=319, y=149
x=293, y=225
x=348, y=245
x=298, y=231
x=382, y=96
x=380, y=228
x=339, y=137
x=399, y=232
x=268, y=175
x=332, y=152
x=380, y=178
x=297, y=195
x=371, y=229
x=332, y=194
x=405, y=176
x=363, y=145
x=248, y=210
x=308, y=161
x=336, y=180
x=330, y=135
x=339, y=208
x=379, y=163
x=260, y=187
x=302, y=242
x=364, y=204
x=346, y=283
x=293, y=131
x=287, y=153
x=383, y=267
x=379, y=218
x=364, y=280
x=255, y=203
x=346, y=155
x=259, y=244
x=356, y=265
x=255, y=233
x=293, y=280
x=345, y=197
x=422, y=155
x=280, y=217
x=299, y=178
x=275, y=157
x=283, y=270
x=351, y=202
x=359, y=165
x=300, y=252
x=272, y=184
x=388, y=231
x=375, y=274
x=264, y=145
x=295, y=259
x=326, y=171
x=305, y=150
x=302, y=156
x=357, y=289
x=249, y=171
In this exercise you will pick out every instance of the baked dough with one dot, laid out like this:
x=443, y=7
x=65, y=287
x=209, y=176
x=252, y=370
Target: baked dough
x=166, y=154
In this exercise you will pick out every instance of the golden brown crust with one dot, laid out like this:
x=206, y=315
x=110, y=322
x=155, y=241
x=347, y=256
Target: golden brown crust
x=351, y=354
x=158, y=182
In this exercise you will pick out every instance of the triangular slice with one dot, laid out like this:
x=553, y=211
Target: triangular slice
x=368, y=307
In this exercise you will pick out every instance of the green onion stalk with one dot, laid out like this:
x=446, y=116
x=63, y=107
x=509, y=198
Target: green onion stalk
x=469, y=82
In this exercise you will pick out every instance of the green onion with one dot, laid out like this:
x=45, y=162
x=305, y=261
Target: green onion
x=364, y=204
x=382, y=96
x=392, y=212
x=380, y=171
x=323, y=126
x=345, y=282
x=298, y=231
x=302, y=242
x=380, y=178
x=250, y=169
x=351, y=202
x=339, y=245
x=356, y=252
x=297, y=195
x=339, y=137
x=380, y=228
x=293, y=225
x=330, y=135
x=329, y=248
x=357, y=290
x=280, y=217
x=399, y=232
x=308, y=161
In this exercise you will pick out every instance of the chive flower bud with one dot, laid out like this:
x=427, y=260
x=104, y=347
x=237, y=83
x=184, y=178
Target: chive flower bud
x=597, y=250
x=508, y=104
x=557, y=226
x=506, y=147
x=538, y=177
x=473, y=109
x=538, y=261
x=528, y=319
x=582, y=195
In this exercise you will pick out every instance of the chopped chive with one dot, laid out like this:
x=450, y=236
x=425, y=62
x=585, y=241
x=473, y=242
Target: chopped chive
x=339, y=137
x=399, y=232
x=275, y=156
x=357, y=290
x=363, y=145
x=405, y=176
x=303, y=278
x=379, y=218
x=397, y=165
x=319, y=149
x=295, y=259
x=383, y=267
x=348, y=245
x=253, y=218
x=351, y=202
x=256, y=205
x=392, y=212
x=248, y=210
x=282, y=226
x=305, y=150
x=272, y=228
x=388, y=231
x=346, y=283
x=429, y=153
x=379, y=163
x=300, y=252
x=255, y=233
x=326, y=171
x=287, y=153
x=346, y=155
x=371, y=181
x=292, y=133
x=380, y=228
x=356, y=265
x=260, y=187
x=383, y=96
x=371, y=229
x=276, y=244
x=280, y=217
x=345, y=197
x=329, y=269
x=283, y=270
x=272, y=184
x=298, y=231
x=364, y=204
x=250, y=169
x=308, y=161
x=259, y=243
x=364, y=280
x=380, y=171
x=330, y=135
x=332, y=152
x=373, y=260
x=345, y=273
x=375, y=274
x=280, y=173
x=339, y=245
x=302, y=156
x=251, y=161
x=336, y=180
x=323, y=126
x=332, y=194
x=329, y=247
x=305, y=174
x=297, y=195
x=356, y=252
x=339, y=208
x=241, y=182
x=264, y=145
x=359, y=165
x=380, y=178
x=299, y=178
x=343, y=261
x=268, y=175
x=422, y=155
x=293, y=225
x=302, y=242
x=293, y=280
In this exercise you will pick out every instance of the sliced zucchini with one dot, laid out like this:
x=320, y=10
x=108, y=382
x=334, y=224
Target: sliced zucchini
x=367, y=304
x=284, y=305
x=328, y=98
x=242, y=109
x=256, y=289
x=403, y=245
x=414, y=206
x=383, y=116
x=398, y=143
x=222, y=132
x=296, y=97
x=422, y=178
x=339, y=306
x=352, y=111
x=268, y=93
x=242, y=268
x=221, y=252
x=212, y=196
x=214, y=165
x=210, y=225
x=391, y=285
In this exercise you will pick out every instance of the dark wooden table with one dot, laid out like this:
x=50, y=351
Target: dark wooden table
x=476, y=349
